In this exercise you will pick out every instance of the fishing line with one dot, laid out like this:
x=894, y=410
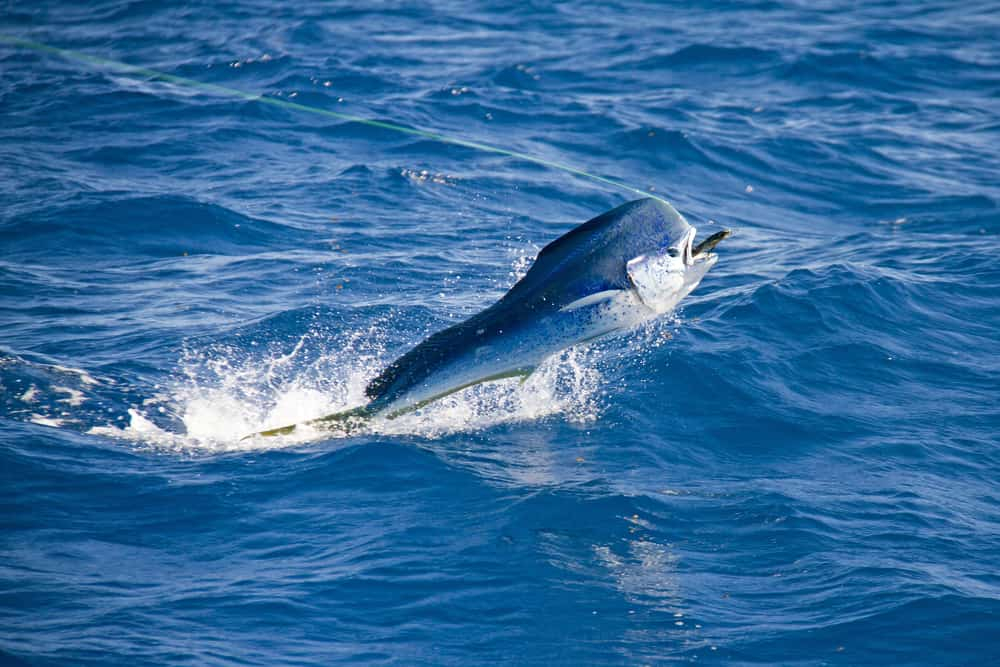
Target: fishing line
x=136, y=71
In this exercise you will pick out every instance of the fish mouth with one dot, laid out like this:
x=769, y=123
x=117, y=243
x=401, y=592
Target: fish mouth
x=702, y=251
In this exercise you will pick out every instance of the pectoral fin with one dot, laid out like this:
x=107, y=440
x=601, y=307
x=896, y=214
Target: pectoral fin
x=591, y=299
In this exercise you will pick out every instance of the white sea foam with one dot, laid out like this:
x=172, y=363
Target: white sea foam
x=74, y=397
x=85, y=377
x=45, y=420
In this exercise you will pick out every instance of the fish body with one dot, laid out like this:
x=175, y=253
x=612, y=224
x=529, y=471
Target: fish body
x=610, y=274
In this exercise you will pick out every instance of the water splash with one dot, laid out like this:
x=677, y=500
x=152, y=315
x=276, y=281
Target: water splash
x=223, y=393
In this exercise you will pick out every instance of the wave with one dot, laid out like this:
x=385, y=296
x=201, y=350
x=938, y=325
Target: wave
x=125, y=227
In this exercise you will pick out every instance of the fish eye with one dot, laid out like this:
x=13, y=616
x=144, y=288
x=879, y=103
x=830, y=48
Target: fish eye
x=673, y=252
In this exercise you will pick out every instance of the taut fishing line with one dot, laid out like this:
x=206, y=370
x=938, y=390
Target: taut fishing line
x=151, y=74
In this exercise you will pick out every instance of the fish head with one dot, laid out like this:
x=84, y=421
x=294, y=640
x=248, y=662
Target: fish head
x=664, y=276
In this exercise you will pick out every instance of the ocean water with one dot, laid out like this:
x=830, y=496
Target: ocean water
x=800, y=466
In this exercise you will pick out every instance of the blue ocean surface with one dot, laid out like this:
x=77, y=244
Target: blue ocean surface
x=799, y=467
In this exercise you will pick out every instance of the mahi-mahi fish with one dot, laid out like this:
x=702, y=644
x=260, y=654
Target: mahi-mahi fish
x=610, y=274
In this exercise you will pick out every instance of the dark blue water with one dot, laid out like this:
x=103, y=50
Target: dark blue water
x=800, y=467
